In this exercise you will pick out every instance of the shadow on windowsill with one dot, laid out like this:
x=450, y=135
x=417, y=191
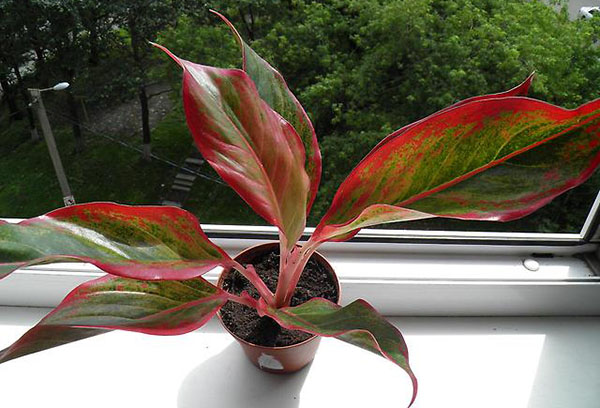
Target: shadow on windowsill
x=229, y=380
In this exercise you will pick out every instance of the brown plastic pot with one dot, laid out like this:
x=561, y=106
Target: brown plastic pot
x=280, y=360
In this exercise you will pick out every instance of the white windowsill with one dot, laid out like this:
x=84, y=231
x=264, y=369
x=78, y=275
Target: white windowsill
x=517, y=362
x=550, y=362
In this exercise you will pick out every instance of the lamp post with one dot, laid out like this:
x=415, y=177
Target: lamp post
x=38, y=103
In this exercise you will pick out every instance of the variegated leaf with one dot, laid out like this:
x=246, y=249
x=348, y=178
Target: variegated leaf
x=108, y=303
x=137, y=242
x=491, y=159
x=358, y=324
x=273, y=89
x=251, y=146
x=520, y=90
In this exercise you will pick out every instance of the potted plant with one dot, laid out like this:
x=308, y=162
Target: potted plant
x=494, y=157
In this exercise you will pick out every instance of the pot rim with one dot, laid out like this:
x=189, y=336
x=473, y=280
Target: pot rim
x=253, y=248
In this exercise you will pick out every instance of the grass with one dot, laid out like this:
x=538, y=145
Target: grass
x=219, y=204
x=104, y=171
x=13, y=136
x=108, y=171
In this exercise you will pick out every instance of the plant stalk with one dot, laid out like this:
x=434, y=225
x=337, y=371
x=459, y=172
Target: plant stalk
x=283, y=278
x=244, y=300
x=290, y=270
x=303, y=256
x=250, y=274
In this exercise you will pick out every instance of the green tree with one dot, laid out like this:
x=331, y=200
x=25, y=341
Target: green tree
x=415, y=57
x=16, y=40
x=60, y=40
x=142, y=21
x=421, y=55
x=363, y=68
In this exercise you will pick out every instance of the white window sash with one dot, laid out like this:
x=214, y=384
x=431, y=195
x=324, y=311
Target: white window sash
x=400, y=279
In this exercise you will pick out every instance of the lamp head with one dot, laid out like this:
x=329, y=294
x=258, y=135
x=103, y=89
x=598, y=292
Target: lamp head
x=60, y=86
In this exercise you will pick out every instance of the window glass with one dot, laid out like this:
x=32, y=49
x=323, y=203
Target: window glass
x=361, y=69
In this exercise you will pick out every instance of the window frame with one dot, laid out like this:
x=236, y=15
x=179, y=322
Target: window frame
x=524, y=294
x=589, y=232
x=396, y=293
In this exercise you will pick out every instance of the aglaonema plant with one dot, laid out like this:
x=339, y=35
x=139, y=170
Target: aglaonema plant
x=495, y=157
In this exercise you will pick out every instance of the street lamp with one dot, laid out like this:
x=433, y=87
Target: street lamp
x=38, y=103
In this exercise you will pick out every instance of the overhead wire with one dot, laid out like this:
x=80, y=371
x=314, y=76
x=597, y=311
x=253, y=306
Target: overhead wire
x=137, y=149
x=10, y=115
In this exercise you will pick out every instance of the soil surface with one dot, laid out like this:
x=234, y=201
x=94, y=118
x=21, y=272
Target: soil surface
x=245, y=322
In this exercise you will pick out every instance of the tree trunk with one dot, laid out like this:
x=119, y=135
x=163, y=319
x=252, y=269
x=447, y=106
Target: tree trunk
x=9, y=95
x=94, y=49
x=74, y=115
x=39, y=54
x=30, y=119
x=248, y=26
x=145, y=123
x=137, y=51
x=40, y=60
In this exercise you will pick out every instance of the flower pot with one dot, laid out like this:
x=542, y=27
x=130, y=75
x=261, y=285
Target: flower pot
x=277, y=359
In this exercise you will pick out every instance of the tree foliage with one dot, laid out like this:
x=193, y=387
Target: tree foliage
x=362, y=68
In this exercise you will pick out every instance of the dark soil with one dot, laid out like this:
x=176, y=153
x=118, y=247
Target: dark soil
x=245, y=322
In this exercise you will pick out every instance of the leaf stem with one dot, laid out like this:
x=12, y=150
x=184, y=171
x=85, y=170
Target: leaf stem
x=303, y=255
x=244, y=299
x=282, y=280
x=250, y=273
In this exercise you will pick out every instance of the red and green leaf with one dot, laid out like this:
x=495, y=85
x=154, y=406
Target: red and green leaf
x=495, y=159
x=520, y=90
x=109, y=303
x=136, y=242
x=358, y=324
x=273, y=89
x=254, y=149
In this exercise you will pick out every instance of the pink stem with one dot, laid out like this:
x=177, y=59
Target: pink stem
x=250, y=274
x=244, y=300
x=304, y=255
x=284, y=272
